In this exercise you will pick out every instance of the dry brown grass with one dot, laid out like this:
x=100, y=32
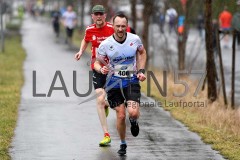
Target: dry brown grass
x=216, y=123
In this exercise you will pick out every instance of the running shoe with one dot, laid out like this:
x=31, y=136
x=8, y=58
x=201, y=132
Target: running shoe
x=105, y=142
x=106, y=108
x=122, y=151
x=134, y=127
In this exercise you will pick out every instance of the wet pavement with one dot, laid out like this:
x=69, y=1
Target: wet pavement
x=57, y=128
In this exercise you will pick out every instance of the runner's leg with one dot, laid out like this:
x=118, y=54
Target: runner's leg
x=101, y=108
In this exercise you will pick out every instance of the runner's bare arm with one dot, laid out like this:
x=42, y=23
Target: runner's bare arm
x=75, y=22
x=141, y=58
x=62, y=20
x=83, y=47
x=141, y=62
x=98, y=65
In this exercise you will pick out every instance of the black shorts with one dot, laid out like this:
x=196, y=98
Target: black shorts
x=99, y=79
x=69, y=32
x=56, y=27
x=132, y=92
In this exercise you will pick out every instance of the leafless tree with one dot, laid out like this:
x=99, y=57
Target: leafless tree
x=133, y=12
x=211, y=73
x=182, y=40
x=147, y=13
x=82, y=2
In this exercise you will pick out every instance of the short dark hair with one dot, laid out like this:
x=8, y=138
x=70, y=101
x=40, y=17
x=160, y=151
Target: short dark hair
x=121, y=15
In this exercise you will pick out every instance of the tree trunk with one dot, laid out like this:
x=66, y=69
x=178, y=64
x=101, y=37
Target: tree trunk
x=134, y=17
x=181, y=51
x=233, y=69
x=211, y=76
x=2, y=31
x=147, y=13
x=82, y=14
x=70, y=2
x=182, y=38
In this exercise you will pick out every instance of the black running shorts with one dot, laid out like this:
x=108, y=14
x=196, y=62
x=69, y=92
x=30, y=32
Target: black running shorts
x=99, y=79
x=132, y=92
x=69, y=32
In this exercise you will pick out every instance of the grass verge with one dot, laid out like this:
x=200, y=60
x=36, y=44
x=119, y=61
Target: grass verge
x=11, y=80
x=217, y=124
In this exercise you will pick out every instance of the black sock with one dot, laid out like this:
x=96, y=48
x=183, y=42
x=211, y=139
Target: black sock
x=132, y=120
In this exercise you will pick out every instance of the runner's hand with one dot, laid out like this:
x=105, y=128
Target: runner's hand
x=141, y=77
x=77, y=56
x=104, y=70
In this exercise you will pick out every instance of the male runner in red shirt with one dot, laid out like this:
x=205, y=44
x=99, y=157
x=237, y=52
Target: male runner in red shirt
x=95, y=34
x=225, y=19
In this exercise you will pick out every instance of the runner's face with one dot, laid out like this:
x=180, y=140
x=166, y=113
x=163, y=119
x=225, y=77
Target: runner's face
x=120, y=26
x=69, y=8
x=99, y=18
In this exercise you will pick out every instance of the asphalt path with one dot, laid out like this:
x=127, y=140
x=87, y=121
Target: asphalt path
x=53, y=126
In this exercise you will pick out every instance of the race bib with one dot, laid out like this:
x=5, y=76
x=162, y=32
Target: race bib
x=124, y=71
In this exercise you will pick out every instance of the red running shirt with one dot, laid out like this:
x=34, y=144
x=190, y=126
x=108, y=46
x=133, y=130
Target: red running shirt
x=225, y=18
x=96, y=36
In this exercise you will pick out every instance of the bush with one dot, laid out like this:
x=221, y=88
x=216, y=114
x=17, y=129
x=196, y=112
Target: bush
x=14, y=24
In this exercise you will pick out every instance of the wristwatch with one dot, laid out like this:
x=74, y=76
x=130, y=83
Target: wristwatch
x=141, y=71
